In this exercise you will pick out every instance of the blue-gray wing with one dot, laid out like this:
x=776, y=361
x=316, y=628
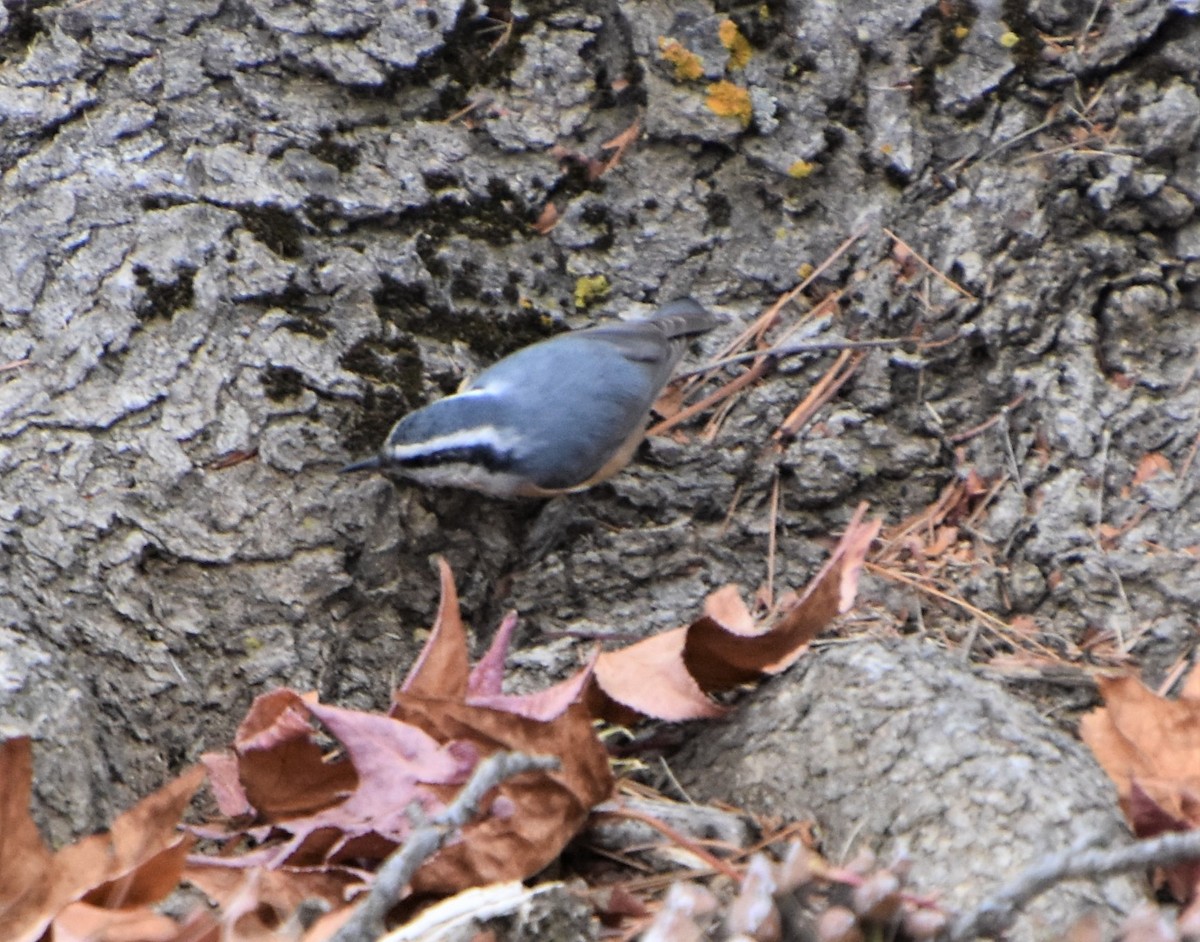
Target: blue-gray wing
x=574, y=400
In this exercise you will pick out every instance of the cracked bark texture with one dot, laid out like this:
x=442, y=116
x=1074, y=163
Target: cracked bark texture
x=264, y=229
x=900, y=750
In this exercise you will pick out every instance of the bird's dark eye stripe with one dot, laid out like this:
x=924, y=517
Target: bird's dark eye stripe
x=487, y=456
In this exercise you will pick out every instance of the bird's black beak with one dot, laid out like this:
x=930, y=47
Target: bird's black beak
x=367, y=464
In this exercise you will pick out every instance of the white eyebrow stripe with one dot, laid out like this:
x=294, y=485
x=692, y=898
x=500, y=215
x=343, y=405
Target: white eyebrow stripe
x=483, y=435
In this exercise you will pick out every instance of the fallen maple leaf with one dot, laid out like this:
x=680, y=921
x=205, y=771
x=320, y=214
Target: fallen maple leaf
x=444, y=720
x=542, y=811
x=278, y=771
x=81, y=922
x=1138, y=735
x=135, y=863
x=1150, y=748
x=670, y=675
x=442, y=668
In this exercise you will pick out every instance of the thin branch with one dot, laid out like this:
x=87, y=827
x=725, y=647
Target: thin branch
x=770, y=317
x=929, y=266
x=397, y=871
x=845, y=366
x=995, y=914
x=755, y=373
x=680, y=840
x=772, y=539
x=795, y=349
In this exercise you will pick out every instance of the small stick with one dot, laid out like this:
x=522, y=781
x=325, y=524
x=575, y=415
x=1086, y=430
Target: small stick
x=929, y=267
x=397, y=871
x=751, y=375
x=843, y=368
x=959, y=437
x=995, y=914
x=793, y=349
x=768, y=318
x=772, y=540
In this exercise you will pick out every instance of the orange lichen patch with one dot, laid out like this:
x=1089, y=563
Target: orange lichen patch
x=688, y=65
x=730, y=101
x=737, y=44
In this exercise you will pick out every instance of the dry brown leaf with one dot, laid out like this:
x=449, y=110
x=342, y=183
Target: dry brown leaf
x=141, y=856
x=1191, y=687
x=280, y=771
x=280, y=890
x=650, y=678
x=443, y=721
x=547, y=219
x=534, y=815
x=390, y=766
x=670, y=675
x=442, y=668
x=1138, y=735
x=82, y=922
x=150, y=881
x=487, y=676
x=24, y=858
x=720, y=659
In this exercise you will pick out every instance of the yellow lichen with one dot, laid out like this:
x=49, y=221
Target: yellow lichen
x=737, y=44
x=687, y=64
x=730, y=101
x=589, y=289
x=1009, y=39
x=801, y=169
x=962, y=32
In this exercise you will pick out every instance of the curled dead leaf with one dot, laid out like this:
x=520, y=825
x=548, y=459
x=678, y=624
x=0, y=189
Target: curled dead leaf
x=671, y=675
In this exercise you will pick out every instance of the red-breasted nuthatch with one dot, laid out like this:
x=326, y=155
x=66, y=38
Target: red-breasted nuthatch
x=554, y=417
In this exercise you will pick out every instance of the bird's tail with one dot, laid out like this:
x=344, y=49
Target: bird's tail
x=684, y=317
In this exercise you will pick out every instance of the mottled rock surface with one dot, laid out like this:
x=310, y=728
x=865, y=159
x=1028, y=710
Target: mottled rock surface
x=902, y=751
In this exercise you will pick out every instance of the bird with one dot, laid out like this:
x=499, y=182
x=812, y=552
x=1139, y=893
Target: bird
x=552, y=418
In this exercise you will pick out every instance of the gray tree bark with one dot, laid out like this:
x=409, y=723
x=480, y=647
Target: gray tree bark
x=238, y=239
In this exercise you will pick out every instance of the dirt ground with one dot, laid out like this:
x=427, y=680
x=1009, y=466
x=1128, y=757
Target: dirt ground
x=238, y=240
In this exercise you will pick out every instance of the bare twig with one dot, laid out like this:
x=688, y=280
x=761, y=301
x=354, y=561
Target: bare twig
x=752, y=375
x=929, y=266
x=773, y=539
x=1006, y=436
x=679, y=840
x=770, y=317
x=960, y=437
x=996, y=626
x=1081, y=41
x=397, y=871
x=1191, y=457
x=995, y=914
x=822, y=392
x=795, y=349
